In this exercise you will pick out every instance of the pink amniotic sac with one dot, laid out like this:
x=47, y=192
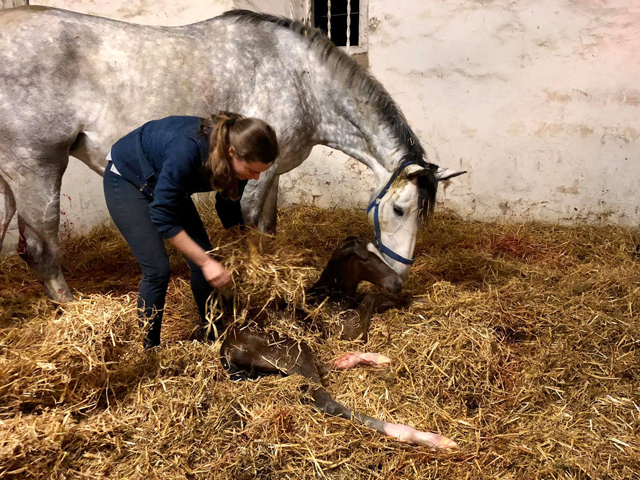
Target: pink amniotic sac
x=402, y=433
x=350, y=360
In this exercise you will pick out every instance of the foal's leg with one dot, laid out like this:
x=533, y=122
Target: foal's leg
x=357, y=326
x=35, y=181
x=403, y=433
x=256, y=351
x=7, y=208
x=352, y=359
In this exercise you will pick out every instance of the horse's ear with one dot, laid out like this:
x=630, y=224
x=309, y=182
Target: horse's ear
x=444, y=173
x=415, y=171
x=414, y=175
x=421, y=172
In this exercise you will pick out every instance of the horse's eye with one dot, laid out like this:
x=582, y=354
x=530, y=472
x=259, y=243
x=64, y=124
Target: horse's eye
x=398, y=211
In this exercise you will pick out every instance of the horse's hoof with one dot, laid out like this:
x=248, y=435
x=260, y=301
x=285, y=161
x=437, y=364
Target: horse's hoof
x=61, y=297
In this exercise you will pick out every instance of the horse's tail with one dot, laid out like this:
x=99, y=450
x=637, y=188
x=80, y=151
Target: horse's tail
x=7, y=208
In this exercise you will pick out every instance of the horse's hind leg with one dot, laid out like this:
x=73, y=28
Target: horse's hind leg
x=7, y=208
x=258, y=352
x=35, y=181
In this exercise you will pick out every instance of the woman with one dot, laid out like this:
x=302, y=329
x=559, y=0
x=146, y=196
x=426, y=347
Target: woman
x=153, y=172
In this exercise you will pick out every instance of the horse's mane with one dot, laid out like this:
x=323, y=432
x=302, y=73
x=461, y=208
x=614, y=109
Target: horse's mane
x=356, y=78
x=427, y=189
x=353, y=76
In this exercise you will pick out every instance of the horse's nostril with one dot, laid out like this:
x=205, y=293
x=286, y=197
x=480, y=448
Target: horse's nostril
x=397, y=285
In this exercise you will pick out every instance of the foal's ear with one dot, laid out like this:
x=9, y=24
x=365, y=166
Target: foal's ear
x=345, y=248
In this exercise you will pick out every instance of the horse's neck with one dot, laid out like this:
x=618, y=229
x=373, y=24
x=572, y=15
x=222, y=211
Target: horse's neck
x=354, y=126
x=363, y=138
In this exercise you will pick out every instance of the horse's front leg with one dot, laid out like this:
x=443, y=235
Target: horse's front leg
x=260, y=199
x=260, y=202
x=269, y=216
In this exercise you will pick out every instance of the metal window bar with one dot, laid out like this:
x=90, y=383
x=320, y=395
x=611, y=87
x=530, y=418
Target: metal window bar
x=344, y=21
x=329, y=18
x=13, y=3
x=308, y=17
x=348, y=25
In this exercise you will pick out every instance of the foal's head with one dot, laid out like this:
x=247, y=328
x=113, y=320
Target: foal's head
x=354, y=261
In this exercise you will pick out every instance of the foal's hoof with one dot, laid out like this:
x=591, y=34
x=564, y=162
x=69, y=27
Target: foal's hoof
x=406, y=434
x=350, y=360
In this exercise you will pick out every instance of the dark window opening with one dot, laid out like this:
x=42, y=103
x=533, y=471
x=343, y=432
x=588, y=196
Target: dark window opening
x=338, y=20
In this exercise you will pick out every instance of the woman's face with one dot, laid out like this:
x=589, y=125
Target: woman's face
x=247, y=170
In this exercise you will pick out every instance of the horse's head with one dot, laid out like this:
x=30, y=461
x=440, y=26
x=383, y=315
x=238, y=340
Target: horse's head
x=398, y=208
x=355, y=261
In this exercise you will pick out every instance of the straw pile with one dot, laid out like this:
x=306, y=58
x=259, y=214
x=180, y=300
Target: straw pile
x=523, y=345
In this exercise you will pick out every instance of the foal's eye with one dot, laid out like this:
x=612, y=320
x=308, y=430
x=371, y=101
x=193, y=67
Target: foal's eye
x=363, y=258
x=398, y=211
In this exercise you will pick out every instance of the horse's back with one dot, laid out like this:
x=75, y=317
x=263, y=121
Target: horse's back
x=64, y=73
x=56, y=71
x=40, y=61
x=16, y=16
x=36, y=41
x=37, y=15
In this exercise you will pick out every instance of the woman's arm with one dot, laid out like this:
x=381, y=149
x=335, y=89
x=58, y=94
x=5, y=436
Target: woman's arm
x=213, y=271
x=180, y=168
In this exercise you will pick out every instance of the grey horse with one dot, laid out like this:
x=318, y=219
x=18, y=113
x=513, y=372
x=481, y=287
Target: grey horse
x=72, y=84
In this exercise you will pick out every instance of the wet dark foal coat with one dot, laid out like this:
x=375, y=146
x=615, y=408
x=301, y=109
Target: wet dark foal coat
x=351, y=263
x=254, y=350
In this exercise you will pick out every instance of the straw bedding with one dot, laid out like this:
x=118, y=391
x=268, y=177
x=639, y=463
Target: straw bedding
x=523, y=345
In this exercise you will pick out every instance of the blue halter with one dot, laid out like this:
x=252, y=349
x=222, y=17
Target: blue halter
x=375, y=204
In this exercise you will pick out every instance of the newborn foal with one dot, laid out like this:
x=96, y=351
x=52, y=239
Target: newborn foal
x=351, y=263
x=253, y=349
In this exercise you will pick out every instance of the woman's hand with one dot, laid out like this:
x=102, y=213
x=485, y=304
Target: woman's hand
x=215, y=273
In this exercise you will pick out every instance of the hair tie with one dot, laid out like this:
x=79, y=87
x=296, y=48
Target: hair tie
x=231, y=122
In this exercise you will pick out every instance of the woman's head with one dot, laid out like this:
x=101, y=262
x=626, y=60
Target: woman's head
x=240, y=148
